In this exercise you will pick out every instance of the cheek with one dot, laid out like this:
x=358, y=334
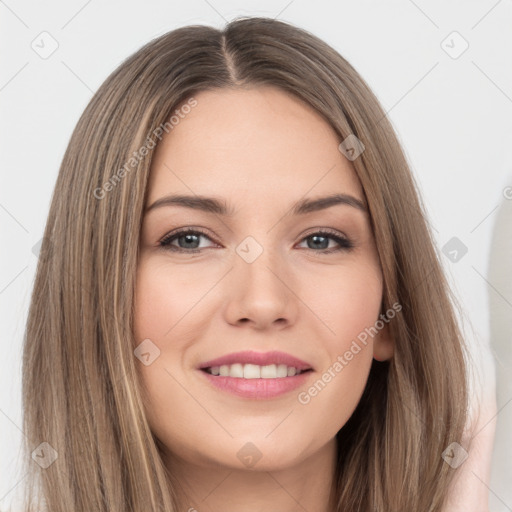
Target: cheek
x=163, y=298
x=348, y=310
x=345, y=301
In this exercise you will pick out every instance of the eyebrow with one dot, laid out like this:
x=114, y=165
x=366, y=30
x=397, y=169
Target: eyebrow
x=219, y=207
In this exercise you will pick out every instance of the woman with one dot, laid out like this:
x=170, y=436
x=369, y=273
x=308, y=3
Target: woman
x=302, y=354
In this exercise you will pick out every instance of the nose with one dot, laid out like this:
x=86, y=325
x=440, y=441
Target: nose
x=261, y=293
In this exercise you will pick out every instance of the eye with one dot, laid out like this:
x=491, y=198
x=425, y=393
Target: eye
x=320, y=240
x=189, y=240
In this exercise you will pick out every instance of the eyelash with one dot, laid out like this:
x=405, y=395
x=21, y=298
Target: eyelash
x=345, y=243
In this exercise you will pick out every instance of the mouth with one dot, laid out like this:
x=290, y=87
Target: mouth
x=256, y=375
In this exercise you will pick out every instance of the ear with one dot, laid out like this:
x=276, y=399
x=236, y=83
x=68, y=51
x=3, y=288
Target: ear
x=383, y=345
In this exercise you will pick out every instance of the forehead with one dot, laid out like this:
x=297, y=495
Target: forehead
x=251, y=143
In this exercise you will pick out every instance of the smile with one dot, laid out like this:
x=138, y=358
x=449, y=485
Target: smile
x=256, y=375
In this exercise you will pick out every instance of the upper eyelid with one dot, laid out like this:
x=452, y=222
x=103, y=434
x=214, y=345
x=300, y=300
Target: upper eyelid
x=198, y=231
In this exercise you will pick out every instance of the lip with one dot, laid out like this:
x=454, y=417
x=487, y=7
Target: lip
x=261, y=389
x=259, y=358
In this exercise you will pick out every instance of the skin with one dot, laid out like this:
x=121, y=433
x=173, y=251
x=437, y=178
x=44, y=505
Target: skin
x=260, y=150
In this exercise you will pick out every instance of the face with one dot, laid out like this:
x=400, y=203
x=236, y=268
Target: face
x=263, y=276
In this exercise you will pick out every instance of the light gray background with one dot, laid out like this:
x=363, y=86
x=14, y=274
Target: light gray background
x=453, y=117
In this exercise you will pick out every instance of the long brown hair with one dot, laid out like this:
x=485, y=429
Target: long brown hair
x=81, y=387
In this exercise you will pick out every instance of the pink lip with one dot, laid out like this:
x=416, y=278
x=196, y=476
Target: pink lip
x=257, y=388
x=259, y=358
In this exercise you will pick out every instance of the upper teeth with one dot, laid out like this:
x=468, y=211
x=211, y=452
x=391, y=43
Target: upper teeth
x=253, y=371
